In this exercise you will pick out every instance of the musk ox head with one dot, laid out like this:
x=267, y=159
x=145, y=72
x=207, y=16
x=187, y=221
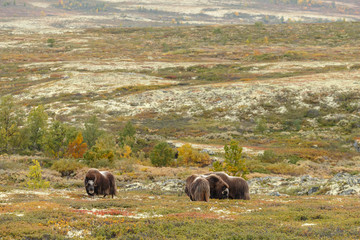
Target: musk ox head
x=218, y=188
x=225, y=192
x=90, y=187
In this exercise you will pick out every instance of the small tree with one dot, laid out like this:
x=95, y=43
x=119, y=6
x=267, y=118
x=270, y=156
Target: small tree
x=233, y=164
x=35, y=178
x=37, y=127
x=162, y=155
x=9, y=124
x=77, y=148
x=127, y=135
x=55, y=140
x=92, y=131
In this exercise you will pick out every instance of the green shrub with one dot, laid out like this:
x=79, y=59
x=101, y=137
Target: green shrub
x=260, y=126
x=66, y=167
x=355, y=67
x=127, y=135
x=256, y=166
x=37, y=127
x=92, y=131
x=287, y=169
x=51, y=42
x=312, y=113
x=162, y=155
x=10, y=122
x=96, y=157
x=293, y=159
x=125, y=165
x=269, y=157
x=233, y=164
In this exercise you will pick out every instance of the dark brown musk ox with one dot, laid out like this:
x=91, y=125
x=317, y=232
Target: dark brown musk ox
x=238, y=187
x=100, y=183
x=218, y=188
x=199, y=189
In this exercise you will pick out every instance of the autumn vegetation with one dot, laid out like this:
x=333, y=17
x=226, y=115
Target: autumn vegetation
x=49, y=141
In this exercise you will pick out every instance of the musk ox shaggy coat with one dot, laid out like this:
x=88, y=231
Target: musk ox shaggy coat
x=238, y=187
x=200, y=190
x=218, y=188
x=188, y=182
x=100, y=183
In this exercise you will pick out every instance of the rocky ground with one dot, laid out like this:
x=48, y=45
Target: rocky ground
x=340, y=184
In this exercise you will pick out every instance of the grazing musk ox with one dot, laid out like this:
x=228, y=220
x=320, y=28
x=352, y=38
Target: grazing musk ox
x=238, y=187
x=218, y=188
x=100, y=183
x=200, y=189
x=188, y=182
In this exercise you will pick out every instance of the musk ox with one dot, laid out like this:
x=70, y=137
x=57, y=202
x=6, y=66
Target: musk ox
x=200, y=189
x=100, y=183
x=218, y=188
x=238, y=187
x=188, y=182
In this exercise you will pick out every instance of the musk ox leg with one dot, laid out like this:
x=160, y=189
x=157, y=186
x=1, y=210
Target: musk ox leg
x=206, y=198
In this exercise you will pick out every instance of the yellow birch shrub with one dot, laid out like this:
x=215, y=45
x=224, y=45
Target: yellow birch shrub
x=35, y=177
x=189, y=156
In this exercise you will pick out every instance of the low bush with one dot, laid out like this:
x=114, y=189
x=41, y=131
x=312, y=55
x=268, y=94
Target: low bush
x=286, y=169
x=97, y=157
x=66, y=167
x=162, y=155
x=270, y=156
x=192, y=157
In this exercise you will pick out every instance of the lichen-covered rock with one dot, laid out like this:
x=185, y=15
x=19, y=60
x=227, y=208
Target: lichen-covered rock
x=168, y=185
x=340, y=184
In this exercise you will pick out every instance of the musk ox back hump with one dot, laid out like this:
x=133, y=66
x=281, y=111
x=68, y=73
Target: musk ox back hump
x=238, y=187
x=112, y=182
x=200, y=190
x=188, y=182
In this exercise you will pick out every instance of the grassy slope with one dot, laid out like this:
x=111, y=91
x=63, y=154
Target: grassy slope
x=150, y=215
x=226, y=54
x=263, y=217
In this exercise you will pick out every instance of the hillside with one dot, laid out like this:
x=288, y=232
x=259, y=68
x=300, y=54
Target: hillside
x=290, y=88
x=56, y=16
x=287, y=93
